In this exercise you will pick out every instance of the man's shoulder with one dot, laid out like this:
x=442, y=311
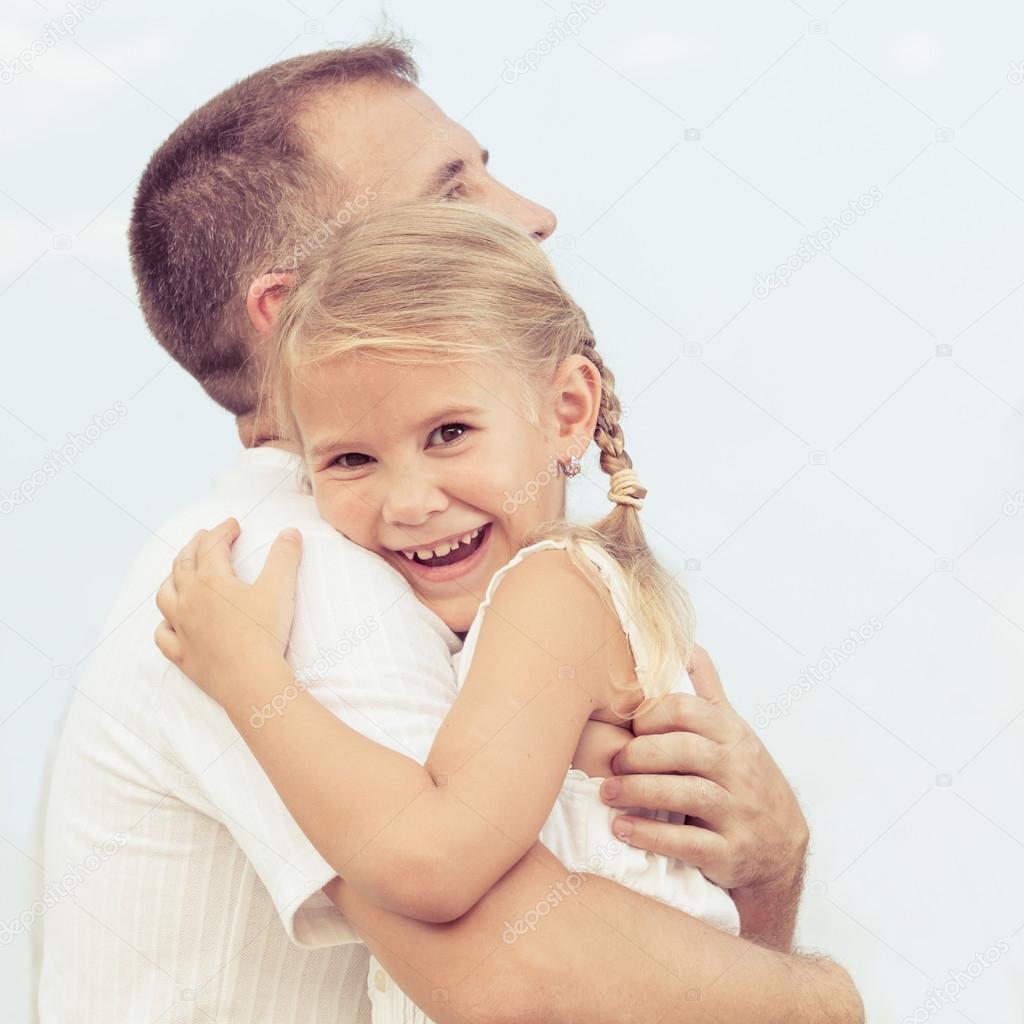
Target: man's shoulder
x=261, y=489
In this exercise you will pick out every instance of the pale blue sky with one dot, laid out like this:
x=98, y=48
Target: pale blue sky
x=843, y=446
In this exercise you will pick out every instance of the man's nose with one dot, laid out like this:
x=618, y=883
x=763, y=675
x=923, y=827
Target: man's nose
x=544, y=221
x=538, y=220
x=411, y=499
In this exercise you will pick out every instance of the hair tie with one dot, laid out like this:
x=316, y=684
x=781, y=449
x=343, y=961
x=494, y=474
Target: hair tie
x=626, y=489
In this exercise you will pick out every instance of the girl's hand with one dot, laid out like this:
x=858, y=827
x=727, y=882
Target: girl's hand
x=216, y=629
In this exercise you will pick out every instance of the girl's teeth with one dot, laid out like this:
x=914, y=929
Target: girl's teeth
x=443, y=549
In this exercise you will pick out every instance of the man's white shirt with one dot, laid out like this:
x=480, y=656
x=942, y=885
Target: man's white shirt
x=178, y=886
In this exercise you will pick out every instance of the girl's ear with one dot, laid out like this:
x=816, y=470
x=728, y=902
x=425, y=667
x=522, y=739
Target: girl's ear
x=577, y=391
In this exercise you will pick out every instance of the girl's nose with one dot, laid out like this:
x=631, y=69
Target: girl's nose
x=411, y=499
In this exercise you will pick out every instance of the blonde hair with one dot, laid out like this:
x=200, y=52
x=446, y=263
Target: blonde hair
x=427, y=279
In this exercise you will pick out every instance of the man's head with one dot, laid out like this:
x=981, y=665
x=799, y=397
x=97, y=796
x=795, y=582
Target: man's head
x=254, y=180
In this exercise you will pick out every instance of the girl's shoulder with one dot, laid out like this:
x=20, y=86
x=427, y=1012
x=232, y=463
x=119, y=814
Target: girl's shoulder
x=559, y=604
x=548, y=566
x=550, y=560
x=545, y=596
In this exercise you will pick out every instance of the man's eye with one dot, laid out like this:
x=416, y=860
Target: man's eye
x=352, y=460
x=448, y=433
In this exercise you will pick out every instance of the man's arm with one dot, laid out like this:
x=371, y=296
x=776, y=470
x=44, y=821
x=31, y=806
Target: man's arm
x=768, y=912
x=547, y=945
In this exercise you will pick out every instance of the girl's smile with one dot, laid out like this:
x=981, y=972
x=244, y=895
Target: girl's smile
x=451, y=557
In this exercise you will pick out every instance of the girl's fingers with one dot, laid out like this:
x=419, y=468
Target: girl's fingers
x=214, y=554
x=232, y=525
x=184, y=565
x=168, y=642
x=205, y=548
x=282, y=563
x=227, y=530
x=167, y=598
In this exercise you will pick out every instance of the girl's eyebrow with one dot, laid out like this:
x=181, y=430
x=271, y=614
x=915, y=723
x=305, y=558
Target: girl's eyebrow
x=333, y=444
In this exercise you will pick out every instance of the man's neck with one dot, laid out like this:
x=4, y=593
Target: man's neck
x=254, y=433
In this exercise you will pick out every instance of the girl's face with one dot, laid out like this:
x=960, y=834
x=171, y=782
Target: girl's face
x=434, y=466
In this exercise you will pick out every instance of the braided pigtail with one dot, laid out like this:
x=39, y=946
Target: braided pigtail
x=661, y=608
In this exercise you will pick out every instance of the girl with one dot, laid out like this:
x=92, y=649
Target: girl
x=442, y=385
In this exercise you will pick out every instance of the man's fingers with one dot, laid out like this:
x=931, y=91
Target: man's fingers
x=682, y=753
x=705, y=678
x=682, y=794
x=282, y=563
x=691, y=844
x=688, y=713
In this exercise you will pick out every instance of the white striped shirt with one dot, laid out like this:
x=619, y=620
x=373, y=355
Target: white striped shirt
x=178, y=887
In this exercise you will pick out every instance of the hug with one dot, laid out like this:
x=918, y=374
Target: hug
x=397, y=739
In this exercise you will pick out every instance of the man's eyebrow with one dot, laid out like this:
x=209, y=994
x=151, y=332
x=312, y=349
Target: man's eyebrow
x=451, y=170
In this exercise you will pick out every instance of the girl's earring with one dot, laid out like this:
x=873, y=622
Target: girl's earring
x=572, y=467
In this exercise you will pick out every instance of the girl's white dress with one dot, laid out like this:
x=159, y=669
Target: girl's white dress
x=578, y=830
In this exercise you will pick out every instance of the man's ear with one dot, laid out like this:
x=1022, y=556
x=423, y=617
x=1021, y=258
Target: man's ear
x=265, y=297
x=577, y=386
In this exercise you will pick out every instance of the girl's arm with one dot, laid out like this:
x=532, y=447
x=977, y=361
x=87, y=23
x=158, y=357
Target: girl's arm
x=424, y=841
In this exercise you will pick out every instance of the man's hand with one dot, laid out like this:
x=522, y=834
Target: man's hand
x=693, y=754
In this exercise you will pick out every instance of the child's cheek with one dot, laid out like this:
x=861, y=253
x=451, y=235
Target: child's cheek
x=342, y=509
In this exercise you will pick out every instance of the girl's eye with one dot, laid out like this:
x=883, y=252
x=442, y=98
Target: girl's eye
x=352, y=460
x=454, y=192
x=448, y=433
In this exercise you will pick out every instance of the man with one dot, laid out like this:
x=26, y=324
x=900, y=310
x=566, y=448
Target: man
x=208, y=902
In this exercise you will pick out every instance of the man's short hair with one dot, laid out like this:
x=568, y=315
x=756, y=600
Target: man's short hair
x=237, y=184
